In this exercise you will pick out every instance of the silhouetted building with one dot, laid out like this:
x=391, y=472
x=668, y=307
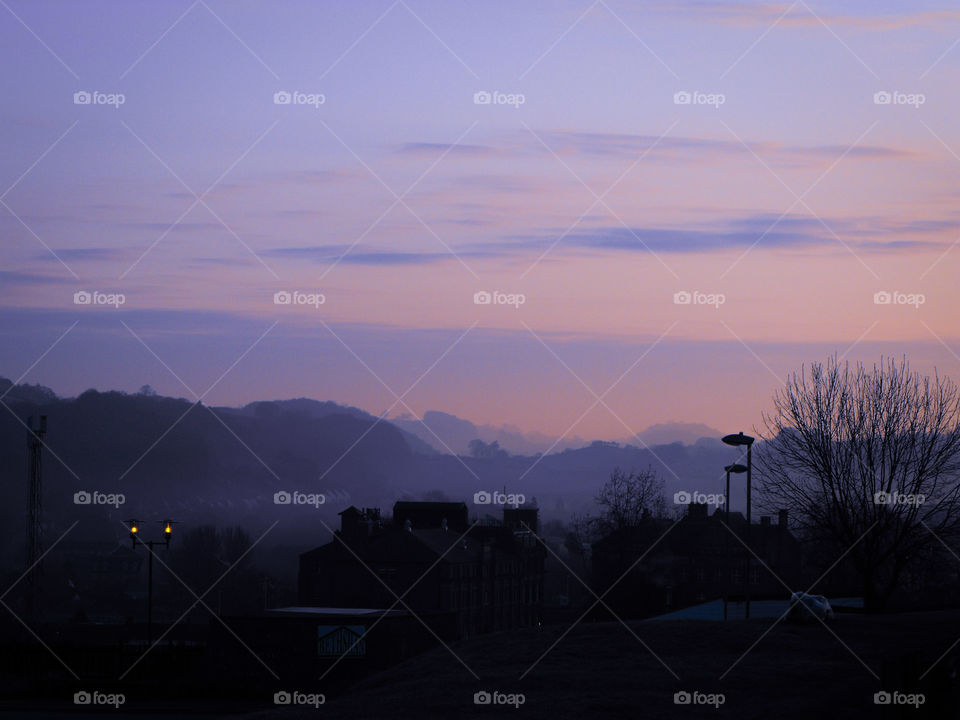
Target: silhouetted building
x=696, y=561
x=484, y=578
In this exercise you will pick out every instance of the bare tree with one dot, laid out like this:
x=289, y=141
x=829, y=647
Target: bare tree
x=581, y=533
x=868, y=462
x=205, y=553
x=627, y=499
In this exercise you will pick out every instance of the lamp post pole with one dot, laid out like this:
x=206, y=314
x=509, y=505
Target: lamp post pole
x=726, y=546
x=735, y=468
x=737, y=440
x=150, y=593
x=749, y=528
x=134, y=527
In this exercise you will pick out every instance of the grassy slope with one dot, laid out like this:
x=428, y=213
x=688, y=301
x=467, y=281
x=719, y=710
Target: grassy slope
x=600, y=670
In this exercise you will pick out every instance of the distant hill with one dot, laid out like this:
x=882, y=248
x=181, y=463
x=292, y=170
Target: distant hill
x=174, y=458
x=36, y=394
x=445, y=432
x=315, y=409
x=194, y=463
x=686, y=433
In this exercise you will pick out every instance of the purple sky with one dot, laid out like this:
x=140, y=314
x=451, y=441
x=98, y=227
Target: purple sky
x=783, y=197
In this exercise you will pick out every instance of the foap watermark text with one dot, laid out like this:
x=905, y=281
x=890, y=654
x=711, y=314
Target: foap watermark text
x=295, y=497
x=684, y=97
x=295, y=97
x=899, y=698
x=896, y=498
x=495, y=297
x=294, y=697
x=695, y=297
x=498, y=498
x=895, y=97
x=95, y=497
x=493, y=697
x=896, y=297
x=495, y=97
x=95, y=297
x=95, y=697
x=699, y=698
x=95, y=97
x=295, y=297
x=686, y=498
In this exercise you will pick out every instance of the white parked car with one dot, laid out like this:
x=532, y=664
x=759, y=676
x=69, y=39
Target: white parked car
x=803, y=606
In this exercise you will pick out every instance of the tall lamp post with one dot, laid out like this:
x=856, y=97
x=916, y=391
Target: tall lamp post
x=135, y=538
x=738, y=440
x=735, y=468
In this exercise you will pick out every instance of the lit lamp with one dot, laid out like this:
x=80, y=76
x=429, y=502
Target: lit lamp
x=739, y=440
x=133, y=527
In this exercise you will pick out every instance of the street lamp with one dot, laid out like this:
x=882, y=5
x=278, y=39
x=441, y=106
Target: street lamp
x=739, y=440
x=134, y=528
x=735, y=468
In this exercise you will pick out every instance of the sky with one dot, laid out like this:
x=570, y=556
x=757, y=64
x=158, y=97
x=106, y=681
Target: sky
x=670, y=206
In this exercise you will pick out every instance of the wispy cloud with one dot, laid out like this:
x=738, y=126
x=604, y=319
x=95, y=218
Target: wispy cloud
x=653, y=148
x=82, y=254
x=181, y=227
x=873, y=234
x=9, y=277
x=366, y=255
x=432, y=148
x=793, y=231
x=796, y=15
x=699, y=149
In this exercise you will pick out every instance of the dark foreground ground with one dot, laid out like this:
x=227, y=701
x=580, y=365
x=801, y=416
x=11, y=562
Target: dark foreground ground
x=600, y=670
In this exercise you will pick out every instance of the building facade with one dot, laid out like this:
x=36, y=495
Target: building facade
x=655, y=568
x=483, y=577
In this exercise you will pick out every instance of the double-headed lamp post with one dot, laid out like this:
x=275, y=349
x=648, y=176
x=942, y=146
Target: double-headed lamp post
x=735, y=468
x=738, y=440
x=135, y=537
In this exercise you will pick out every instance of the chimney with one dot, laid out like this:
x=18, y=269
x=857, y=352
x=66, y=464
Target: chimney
x=697, y=511
x=765, y=521
x=349, y=522
x=371, y=518
x=522, y=518
x=356, y=523
x=782, y=519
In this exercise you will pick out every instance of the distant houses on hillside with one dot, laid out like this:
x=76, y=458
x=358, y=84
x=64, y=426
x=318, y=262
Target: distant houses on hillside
x=489, y=576
x=654, y=568
x=471, y=579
